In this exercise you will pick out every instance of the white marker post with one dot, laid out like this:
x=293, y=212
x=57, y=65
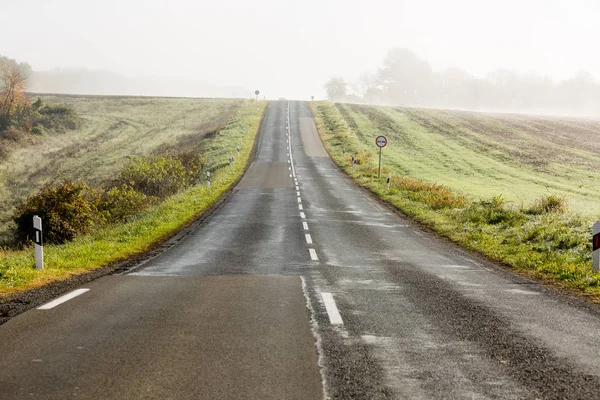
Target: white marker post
x=389, y=178
x=39, y=242
x=208, y=178
x=596, y=246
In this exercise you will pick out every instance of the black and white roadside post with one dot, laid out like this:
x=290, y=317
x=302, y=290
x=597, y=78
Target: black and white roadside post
x=238, y=149
x=208, y=178
x=39, y=242
x=596, y=246
x=389, y=178
x=381, y=142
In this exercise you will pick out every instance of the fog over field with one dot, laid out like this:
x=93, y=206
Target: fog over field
x=510, y=55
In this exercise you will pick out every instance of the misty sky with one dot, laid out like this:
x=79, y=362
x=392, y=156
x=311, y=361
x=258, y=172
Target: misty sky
x=289, y=49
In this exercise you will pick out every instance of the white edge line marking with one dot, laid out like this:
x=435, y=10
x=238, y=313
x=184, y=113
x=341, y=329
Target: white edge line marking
x=332, y=311
x=62, y=299
x=302, y=215
x=305, y=225
x=313, y=254
x=308, y=238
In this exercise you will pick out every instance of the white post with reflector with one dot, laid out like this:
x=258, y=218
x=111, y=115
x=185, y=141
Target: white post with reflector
x=596, y=246
x=39, y=242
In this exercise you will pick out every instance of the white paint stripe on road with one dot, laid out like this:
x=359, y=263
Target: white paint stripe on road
x=313, y=254
x=302, y=215
x=305, y=226
x=300, y=207
x=63, y=299
x=297, y=188
x=299, y=199
x=308, y=238
x=332, y=311
x=297, y=192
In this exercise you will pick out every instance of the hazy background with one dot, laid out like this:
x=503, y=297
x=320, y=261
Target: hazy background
x=290, y=49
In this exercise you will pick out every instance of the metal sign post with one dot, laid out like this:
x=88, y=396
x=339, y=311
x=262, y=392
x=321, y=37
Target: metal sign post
x=39, y=242
x=381, y=142
x=596, y=246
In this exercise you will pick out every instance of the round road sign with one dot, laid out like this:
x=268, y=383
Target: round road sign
x=257, y=92
x=381, y=141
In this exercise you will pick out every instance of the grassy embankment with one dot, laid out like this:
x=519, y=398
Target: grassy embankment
x=114, y=129
x=521, y=190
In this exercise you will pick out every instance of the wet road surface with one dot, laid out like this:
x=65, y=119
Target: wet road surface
x=301, y=286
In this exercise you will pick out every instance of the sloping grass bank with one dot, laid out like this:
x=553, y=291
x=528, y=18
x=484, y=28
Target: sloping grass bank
x=539, y=239
x=122, y=241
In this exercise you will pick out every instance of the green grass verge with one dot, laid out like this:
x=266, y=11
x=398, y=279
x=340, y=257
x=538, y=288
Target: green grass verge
x=119, y=242
x=538, y=241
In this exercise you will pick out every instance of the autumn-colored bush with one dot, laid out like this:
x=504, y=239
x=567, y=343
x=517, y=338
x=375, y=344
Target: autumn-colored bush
x=435, y=196
x=67, y=209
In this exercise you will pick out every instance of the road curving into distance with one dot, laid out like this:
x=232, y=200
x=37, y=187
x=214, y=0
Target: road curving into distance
x=300, y=286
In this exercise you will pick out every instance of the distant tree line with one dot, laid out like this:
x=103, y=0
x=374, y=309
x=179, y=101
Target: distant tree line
x=406, y=79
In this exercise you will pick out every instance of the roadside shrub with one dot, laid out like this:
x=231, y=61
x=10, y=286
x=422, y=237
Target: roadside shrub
x=157, y=176
x=492, y=212
x=122, y=202
x=550, y=203
x=435, y=196
x=67, y=210
x=38, y=130
x=58, y=118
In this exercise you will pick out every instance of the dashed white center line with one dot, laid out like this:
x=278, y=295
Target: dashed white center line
x=308, y=238
x=297, y=193
x=332, y=311
x=302, y=215
x=297, y=188
x=63, y=299
x=299, y=200
x=300, y=207
x=305, y=225
x=313, y=254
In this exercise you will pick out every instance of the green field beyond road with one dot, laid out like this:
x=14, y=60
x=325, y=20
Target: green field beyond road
x=485, y=155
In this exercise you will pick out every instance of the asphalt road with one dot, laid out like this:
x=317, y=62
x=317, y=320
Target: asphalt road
x=300, y=286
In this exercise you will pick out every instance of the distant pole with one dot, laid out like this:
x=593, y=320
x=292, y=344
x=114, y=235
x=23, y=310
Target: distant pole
x=389, y=178
x=39, y=242
x=596, y=246
x=257, y=92
x=379, y=170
